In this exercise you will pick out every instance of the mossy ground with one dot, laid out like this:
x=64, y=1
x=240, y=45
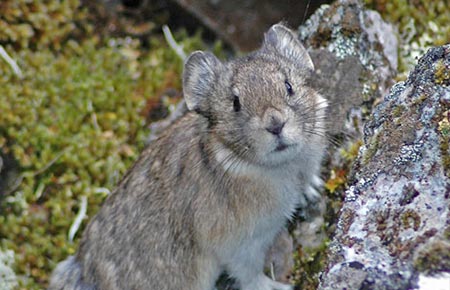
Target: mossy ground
x=74, y=123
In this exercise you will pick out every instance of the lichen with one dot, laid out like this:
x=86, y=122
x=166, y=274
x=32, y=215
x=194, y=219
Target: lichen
x=8, y=279
x=409, y=193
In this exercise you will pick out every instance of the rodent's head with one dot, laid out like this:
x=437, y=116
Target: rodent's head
x=259, y=106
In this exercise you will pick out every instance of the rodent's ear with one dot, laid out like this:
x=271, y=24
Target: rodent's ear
x=199, y=75
x=283, y=40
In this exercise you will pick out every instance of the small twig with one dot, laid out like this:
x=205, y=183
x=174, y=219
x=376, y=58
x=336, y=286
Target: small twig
x=47, y=166
x=11, y=62
x=78, y=219
x=102, y=190
x=272, y=271
x=172, y=43
x=39, y=191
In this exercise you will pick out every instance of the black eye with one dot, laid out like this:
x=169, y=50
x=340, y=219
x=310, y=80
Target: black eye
x=236, y=104
x=288, y=88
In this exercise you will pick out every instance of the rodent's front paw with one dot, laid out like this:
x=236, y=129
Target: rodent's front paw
x=317, y=182
x=312, y=191
x=312, y=195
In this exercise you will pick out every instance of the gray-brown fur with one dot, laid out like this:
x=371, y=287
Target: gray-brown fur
x=213, y=191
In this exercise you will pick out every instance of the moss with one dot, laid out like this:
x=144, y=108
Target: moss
x=371, y=149
x=442, y=73
x=74, y=125
x=410, y=219
x=422, y=24
x=444, y=141
x=398, y=111
x=38, y=24
x=308, y=264
x=433, y=258
x=419, y=101
x=444, y=125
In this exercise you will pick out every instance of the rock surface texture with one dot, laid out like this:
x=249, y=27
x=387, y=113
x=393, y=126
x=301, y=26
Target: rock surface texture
x=355, y=55
x=395, y=222
x=241, y=23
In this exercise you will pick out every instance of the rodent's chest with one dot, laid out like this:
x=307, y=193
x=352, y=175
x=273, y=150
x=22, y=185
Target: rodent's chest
x=273, y=199
x=286, y=193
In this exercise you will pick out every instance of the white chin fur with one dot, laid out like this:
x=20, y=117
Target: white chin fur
x=263, y=160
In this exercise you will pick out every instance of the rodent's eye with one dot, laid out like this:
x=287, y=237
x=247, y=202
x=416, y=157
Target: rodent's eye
x=288, y=88
x=236, y=104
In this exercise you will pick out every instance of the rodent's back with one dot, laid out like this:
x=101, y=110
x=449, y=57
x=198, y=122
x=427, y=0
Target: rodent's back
x=151, y=201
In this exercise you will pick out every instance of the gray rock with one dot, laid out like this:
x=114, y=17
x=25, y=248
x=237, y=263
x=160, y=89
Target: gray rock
x=395, y=222
x=10, y=176
x=355, y=55
x=241, y=23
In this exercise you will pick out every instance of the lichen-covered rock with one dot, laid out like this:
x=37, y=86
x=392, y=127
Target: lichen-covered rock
x=354, y=52
x=395, y=222
x=355, y=55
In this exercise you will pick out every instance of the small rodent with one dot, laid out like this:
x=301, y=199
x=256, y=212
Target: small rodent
x=212, y=192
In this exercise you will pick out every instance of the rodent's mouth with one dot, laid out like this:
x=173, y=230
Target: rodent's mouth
x=281, y=147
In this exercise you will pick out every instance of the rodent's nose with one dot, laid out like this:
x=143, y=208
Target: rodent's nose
x=276, y=126
x=274, y=121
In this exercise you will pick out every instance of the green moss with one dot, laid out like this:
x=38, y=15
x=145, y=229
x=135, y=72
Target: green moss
x=433, y=258
x=444, y=141
x=398, y=111
x=308, y=264
x=372, y=149
x=74, y=124
x=40, y=24
x=445, y=154
x=442, y=73
x=421, y=24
